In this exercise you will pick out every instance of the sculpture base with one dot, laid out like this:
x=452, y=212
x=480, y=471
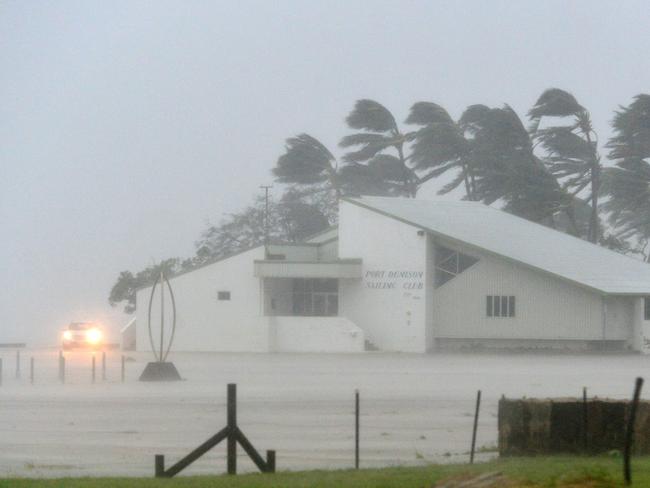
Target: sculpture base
x=158, y=371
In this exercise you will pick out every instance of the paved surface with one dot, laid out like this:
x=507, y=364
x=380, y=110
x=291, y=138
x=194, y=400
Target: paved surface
x=415, y=408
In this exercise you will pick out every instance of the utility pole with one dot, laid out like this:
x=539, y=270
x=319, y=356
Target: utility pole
x=266, y=189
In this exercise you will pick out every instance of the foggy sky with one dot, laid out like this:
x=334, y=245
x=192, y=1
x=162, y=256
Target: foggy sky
x=126, y=126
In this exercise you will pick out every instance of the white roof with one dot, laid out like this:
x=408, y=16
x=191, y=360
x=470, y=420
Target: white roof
x=520, y=240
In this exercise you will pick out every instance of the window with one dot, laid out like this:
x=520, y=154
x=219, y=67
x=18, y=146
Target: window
x=646, y=308
x=223, y=295
x=315, y=297
x=450, y=263
x=500, y=306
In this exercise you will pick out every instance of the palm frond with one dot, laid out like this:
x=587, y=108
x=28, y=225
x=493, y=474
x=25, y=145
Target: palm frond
x=371, y=116
x=427, y=113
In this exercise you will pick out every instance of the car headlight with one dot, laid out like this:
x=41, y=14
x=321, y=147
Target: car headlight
x=67, y=335
x=93, y=336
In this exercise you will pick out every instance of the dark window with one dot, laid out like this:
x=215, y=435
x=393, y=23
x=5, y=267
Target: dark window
x=450, y=263
x=332, y=305
x=646, y=311
x=315, y=297
x=500, y=306
x=223, y=295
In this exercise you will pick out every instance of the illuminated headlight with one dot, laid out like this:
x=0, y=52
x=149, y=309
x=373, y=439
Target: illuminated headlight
x=93, y=336
x=67, y=335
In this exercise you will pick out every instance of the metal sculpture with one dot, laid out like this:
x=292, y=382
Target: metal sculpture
x=161, y=370
x=160, y=357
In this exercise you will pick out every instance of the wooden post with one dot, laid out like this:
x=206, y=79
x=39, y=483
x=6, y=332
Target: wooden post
x=93, y=368
x=585, y=419
x=60, y=366
x=160, y=466
x=62, y=369
x=356, y=429
x=31, y=370
x=123, y=369
x=629, y=432
x=232, y=428
x=476, y=412
x=103, y=365
x=18, y=364
x=270, y=461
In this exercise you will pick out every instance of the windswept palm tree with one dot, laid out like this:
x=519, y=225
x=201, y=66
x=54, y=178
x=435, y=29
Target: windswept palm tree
x=491, y=154
x=378, y=157
x=571, y=148
x=628, y=183
x=506, y=169
x=307, y=162
x=440, y=146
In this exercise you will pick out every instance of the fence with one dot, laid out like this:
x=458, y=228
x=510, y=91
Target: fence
x=301, y=406
x=47, y=367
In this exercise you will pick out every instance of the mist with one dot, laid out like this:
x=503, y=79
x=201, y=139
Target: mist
x=127, y=126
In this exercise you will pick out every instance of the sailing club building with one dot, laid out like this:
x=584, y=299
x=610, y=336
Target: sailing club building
x=413, y=276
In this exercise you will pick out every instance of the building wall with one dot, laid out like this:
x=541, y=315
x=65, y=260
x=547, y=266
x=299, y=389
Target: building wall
x=329, y=250
x=314, y=334
x=547, y=308
x=619, y=318
x=641, y=335
x=203, y=322
x=388, y=302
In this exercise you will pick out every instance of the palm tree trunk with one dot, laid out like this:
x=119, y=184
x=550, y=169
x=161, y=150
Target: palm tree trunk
x=468, y=189
x=594, y=230
x=410, y=187
x=594, y=227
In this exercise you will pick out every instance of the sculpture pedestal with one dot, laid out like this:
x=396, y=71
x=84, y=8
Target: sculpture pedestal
x=158, y=371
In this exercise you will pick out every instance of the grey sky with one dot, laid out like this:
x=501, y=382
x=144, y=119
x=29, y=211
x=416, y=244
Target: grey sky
x=125, y=126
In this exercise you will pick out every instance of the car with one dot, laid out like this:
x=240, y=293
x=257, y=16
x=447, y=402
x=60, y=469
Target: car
x=82, y=335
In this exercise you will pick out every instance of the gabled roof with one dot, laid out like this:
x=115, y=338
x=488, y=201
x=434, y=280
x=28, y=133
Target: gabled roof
x=520, y=240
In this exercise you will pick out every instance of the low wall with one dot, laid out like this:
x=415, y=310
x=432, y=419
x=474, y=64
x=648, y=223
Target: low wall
x=558, y=345
x=568, y=425
x=314, y=334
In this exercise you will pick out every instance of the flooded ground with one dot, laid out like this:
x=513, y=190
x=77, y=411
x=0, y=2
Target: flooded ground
x=414, y=408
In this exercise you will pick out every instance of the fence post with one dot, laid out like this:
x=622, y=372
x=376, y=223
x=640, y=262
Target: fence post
x=31, y=370
x=17, y=364
x=356, y=429
x=585, y=419
x=103, y=365
x=122, y=371
x=62, y=366
x=232, y=428
x=270, y=461
x=160, y=466
x=476, y=412
x=629, y=432
x=93, y=368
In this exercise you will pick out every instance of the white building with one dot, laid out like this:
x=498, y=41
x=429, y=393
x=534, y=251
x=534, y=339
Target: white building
x=414, y=276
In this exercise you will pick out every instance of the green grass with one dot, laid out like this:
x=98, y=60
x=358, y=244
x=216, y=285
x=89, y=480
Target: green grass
x=547, y=472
